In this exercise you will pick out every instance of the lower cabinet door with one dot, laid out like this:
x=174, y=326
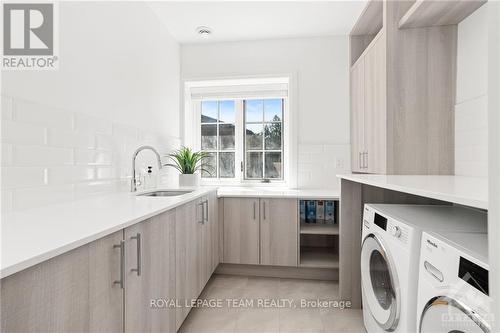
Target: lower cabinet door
x=241, y=231
x=150, y=275
x=105, y=291
x=213, y=217
x=204, y=241
x=278, y=232
x=50, y=297
x=186, y=258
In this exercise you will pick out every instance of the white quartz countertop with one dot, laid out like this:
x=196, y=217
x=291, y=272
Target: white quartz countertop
x=467, y=191
x=263, y=192
x=33, y=236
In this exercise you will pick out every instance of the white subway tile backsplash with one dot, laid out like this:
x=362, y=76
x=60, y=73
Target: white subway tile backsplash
x=85, y=123
x=6, y=154
x=70, y=139
x=6, y=201
x=106, y=142
x=471, y=137
x=106, y=173
x=43, y=115
x=93, y=157
x=6, y=107
x=84, y=190
x=318, y=165
x=51, y=155
x=123, y=131
x=22, y=133
x=13, y=177
x=38, y=155
x=26, y=198
x=70, y=174
x=472, y=114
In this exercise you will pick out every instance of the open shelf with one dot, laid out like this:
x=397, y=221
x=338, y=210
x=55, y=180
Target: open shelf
x=318, y=257
x=428, y=13
x=319, y=229
x=367, y=27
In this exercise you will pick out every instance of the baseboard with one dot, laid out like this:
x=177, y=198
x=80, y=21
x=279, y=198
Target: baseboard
x=329, y=274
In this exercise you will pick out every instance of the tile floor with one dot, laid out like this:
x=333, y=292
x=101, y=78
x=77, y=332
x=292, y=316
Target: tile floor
x=261, y=319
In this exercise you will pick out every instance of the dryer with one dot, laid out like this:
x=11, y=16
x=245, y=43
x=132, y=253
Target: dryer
x=453, y=287
x=391, y=240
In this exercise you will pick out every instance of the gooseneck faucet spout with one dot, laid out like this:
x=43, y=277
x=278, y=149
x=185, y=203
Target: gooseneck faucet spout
x=133, y=187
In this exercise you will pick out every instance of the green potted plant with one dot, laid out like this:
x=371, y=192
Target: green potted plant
x=188, y=163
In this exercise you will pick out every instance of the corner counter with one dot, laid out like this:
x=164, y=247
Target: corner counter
x=358, y=189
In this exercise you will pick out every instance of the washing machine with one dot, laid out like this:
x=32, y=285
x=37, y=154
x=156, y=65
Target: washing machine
x=391, y=239
x=453, y=287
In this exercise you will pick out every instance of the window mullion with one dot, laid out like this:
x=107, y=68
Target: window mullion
x=239, y=141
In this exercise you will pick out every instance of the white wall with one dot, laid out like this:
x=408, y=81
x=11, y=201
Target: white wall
x=494, y=162
x=320, y=66
x=70, y=133
x=471, y=109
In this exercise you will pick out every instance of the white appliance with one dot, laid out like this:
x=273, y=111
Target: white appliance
x=453, y=283
x=389, y=258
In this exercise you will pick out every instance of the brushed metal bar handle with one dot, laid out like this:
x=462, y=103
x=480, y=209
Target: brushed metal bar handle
x=121, y=246
x=206, y=214
x=139, y=254
x=366, y=164
x=264, y=208
x=254, y=210
x=202, y=205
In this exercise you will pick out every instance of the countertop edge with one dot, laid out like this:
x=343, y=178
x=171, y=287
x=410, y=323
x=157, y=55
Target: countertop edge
x=438, y=195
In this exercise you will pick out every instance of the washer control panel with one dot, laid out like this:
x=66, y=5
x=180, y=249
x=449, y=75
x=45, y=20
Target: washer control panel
x=376, y=220
x=398, y=231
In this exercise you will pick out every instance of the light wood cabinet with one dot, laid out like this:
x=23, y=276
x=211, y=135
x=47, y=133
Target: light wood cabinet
x=278, y=232
x=357, y=115
x=105, y=296
x=374, y=92
x=208, y=237
x=186, y=258
x=150, y=274
x=260, y=231
x=204, y=240
x=73, y=292
x=402, y=113
x=241, y=231
x=108, y=285
x=213, y=217
x=368, y=110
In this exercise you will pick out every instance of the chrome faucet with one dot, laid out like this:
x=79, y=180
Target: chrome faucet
x=133, y=187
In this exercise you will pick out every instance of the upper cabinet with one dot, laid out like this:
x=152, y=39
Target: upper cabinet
x=402, y=93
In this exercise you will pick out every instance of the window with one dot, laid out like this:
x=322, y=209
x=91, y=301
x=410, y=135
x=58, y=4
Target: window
x=263, y=139
x=218, y=122
x=261, y=130
x=245, y=127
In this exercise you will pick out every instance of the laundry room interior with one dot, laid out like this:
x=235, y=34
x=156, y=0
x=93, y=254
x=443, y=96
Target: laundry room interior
x=250, y=166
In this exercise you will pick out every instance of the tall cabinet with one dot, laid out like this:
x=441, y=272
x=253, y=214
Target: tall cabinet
x=402, y=93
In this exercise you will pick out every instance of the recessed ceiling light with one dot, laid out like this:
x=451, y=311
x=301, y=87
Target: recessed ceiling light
x=202, y=30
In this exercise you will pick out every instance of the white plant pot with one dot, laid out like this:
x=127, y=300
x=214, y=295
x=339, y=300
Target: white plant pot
x=189, y=180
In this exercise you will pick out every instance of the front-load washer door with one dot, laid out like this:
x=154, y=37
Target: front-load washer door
x=379, y=283
x=444, y=315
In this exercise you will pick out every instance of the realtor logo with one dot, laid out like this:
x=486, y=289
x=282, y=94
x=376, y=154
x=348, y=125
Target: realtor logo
x=29, y=31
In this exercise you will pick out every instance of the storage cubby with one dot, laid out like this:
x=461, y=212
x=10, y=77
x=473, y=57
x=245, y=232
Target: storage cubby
x=369, y=24
x=319, y=233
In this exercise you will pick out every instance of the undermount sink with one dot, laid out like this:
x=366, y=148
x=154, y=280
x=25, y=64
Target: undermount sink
x=164, y=193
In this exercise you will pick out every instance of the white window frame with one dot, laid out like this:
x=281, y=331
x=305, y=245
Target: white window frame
x=192, y=123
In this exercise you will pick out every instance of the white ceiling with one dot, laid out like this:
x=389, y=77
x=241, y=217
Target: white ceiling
x=251, y=20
